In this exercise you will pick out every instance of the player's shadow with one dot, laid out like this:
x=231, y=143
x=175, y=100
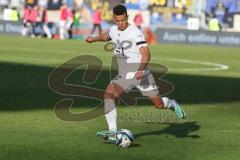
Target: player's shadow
x=179, y=130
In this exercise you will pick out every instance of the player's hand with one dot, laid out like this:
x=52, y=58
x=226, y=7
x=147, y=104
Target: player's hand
x=89, y=39
x=139, y=75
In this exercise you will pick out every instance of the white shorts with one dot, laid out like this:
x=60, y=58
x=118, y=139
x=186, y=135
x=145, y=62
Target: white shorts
x=146, y=85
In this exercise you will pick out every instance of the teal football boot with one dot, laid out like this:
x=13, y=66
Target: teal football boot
x=107, y=136
x=178, y=110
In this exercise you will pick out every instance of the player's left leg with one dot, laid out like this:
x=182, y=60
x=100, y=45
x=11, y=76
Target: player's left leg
x=148, y=87
x=166, y=103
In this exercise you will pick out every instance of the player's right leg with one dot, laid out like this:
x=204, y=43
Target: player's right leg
x=113, y=91
x=107, y=136
x=166, y=103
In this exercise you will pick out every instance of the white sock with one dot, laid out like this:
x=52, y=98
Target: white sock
x=110, y=114
x=167, y=103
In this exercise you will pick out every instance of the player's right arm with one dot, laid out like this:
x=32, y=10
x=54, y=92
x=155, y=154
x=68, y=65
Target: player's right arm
x=100, y=38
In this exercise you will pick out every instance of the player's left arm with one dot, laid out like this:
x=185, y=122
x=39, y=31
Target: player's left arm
x=146, y=56
x=144, y=51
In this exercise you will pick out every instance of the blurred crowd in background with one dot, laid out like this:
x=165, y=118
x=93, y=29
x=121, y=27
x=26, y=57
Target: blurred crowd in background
x=63, y=19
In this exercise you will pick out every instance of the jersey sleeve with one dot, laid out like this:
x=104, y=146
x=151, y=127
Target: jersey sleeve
x=140, y=39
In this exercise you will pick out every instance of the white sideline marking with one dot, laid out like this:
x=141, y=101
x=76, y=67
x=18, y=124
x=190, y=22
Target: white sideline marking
x=214, y=66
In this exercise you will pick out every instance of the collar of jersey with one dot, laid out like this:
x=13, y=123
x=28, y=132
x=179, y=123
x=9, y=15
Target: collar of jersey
x=125, y=28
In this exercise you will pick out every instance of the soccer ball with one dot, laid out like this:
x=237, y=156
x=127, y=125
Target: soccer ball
x=124, y=138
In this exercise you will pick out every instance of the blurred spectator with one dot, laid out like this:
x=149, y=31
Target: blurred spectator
x=63, y=21
x=26, y=20
x=15, y=15
x=214, y=24
x=76, y=24
x=220, y=12
x=97, y=20
x=10, y=14
x=70, y=16
x=138, y=20
x=76, y=17
x=33, y=20
x=43, y=19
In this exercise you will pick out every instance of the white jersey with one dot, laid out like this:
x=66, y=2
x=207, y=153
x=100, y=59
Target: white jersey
x=128, y=56
x=127, y=43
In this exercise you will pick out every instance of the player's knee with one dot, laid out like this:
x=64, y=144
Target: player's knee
x=159, y=105
x=108, y=96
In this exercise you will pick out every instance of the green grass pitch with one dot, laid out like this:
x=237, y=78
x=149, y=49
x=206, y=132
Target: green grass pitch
x=208, y=91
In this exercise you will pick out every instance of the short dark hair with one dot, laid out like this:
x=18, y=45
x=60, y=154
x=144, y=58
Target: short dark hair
x=119, y=10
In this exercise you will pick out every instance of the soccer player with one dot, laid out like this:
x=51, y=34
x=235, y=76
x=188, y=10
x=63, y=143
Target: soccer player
x=97, y=20
x=130, y=60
